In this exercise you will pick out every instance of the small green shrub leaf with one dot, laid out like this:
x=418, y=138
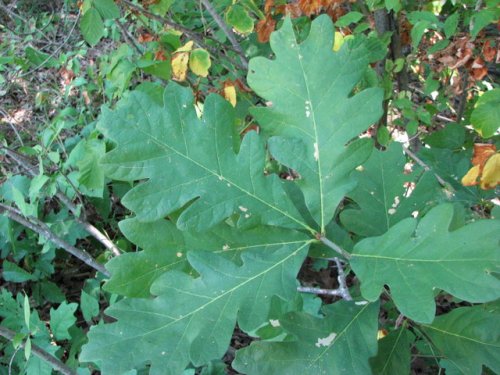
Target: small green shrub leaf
x=92, y=26
x=486, y=115
x=61, y=319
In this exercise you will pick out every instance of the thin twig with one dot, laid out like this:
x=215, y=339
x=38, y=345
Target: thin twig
x=188, y=32
x=13, y=15
x=12, y=126
x=92, y=230
x=129, y=38
x=40, y=353
x=165, y=21
x=42, y=229
x=39, y=66
x=229, y=33
x=335, y=247
x=425, y=166
x=341, y=279
x=326, y=292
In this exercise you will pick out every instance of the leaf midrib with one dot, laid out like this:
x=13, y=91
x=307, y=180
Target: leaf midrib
x=215, y=299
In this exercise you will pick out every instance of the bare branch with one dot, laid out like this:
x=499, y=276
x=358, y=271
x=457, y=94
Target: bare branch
x=423, y=165
x=42, y=229
x=341, y=279
x=40, y=353
x=229, y=33
x=39, y=66
x=92, y=230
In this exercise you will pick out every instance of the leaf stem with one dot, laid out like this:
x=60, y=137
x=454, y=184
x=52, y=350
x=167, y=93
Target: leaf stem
x=42, y=229
x=40, y=353
x=335, y=247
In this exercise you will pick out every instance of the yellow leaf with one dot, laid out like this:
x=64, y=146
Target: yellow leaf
x=199, y=62
x=230, y=93
x=186, y=47
x=180, y=66
x=491, y=173
x=339, y=40
x=470, y=179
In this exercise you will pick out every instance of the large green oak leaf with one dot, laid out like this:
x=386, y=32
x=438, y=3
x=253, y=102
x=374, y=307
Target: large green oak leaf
x=165, y=248
x=192, y=319
x=414, y=260
x=312, y=114
x=466, y=338
x=340, y=343
x=184, y=157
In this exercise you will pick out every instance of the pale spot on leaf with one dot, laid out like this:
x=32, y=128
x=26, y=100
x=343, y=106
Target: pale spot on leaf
x=316, y=151
x=327, y=341
x=275, y=322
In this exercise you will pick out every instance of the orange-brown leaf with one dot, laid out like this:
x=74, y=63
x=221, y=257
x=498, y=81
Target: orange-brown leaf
x=486, y=167
x=489, y=51
x=264, y=29
x=269, y=4
x=482, y=151
x=478, y=69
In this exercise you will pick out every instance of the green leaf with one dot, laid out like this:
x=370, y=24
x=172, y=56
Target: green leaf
x=341, y=342
x=91, y=172
x=482, y=18
x=61, y=319
x=417, y=32
x=485, y=116
x=414, y=260
x=394, y=356
x=89, y=306
x=312, y=118
x=451, y=24
x=92, y=27
x=238, y=17
x=13, y=273
x=387, y=194
x=452, y=136
x=161, y=7
x=107, y=8
x=184, y=158
x=347, y=19
x=166, y=247
x=467, y=337
x=192, y=320
x=39, y=59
